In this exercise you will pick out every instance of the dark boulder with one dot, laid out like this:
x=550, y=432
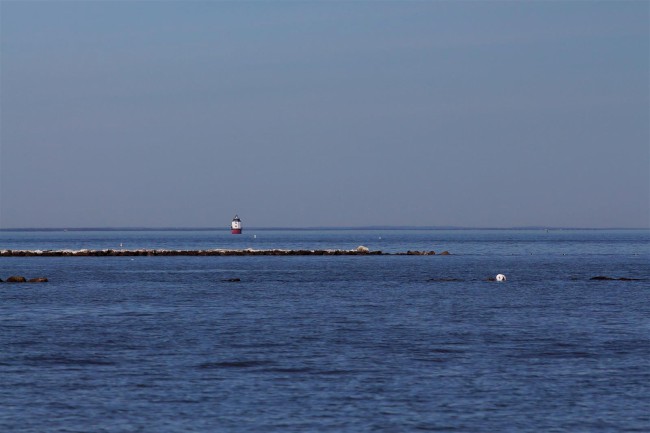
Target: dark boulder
x=232, y=280
x=16, y=279
x=37, y=280
x=444, y=253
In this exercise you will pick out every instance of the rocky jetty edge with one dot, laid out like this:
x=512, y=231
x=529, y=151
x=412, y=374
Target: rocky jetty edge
x=359, y=251
x=21, y=279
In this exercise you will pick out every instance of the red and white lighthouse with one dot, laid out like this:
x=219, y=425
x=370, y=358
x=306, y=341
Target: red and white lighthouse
x=235, y=226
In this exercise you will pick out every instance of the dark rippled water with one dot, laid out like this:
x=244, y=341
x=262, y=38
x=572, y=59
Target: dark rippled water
x=358, y=344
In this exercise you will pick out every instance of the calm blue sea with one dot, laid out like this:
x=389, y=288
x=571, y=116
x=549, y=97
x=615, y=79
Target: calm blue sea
x=328, y=343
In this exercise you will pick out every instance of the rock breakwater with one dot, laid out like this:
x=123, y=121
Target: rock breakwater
x=359, y=251
x=166, y=252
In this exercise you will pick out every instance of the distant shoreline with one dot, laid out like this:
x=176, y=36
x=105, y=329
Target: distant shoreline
x=249, y=229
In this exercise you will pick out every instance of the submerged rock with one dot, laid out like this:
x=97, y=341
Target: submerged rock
x=606, y=278
x=21, y=279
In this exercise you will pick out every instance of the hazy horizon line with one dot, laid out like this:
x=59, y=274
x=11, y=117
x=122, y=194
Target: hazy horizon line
x=269, y=228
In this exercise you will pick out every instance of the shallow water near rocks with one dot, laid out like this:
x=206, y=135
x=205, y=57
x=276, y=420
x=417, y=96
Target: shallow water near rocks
x=329, y=343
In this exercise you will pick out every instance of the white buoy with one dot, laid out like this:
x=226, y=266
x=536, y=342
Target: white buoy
x=500, y=277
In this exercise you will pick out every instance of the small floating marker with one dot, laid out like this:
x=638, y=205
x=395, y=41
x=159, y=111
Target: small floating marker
x=500, y=277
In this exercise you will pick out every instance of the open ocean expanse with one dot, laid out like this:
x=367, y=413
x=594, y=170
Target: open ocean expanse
x=386, y=343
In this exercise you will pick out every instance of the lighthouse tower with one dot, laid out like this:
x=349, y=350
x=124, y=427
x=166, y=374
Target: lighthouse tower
x=235, y=226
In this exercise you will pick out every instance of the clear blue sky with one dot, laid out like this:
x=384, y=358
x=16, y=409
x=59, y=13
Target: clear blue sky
x=164, y=113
